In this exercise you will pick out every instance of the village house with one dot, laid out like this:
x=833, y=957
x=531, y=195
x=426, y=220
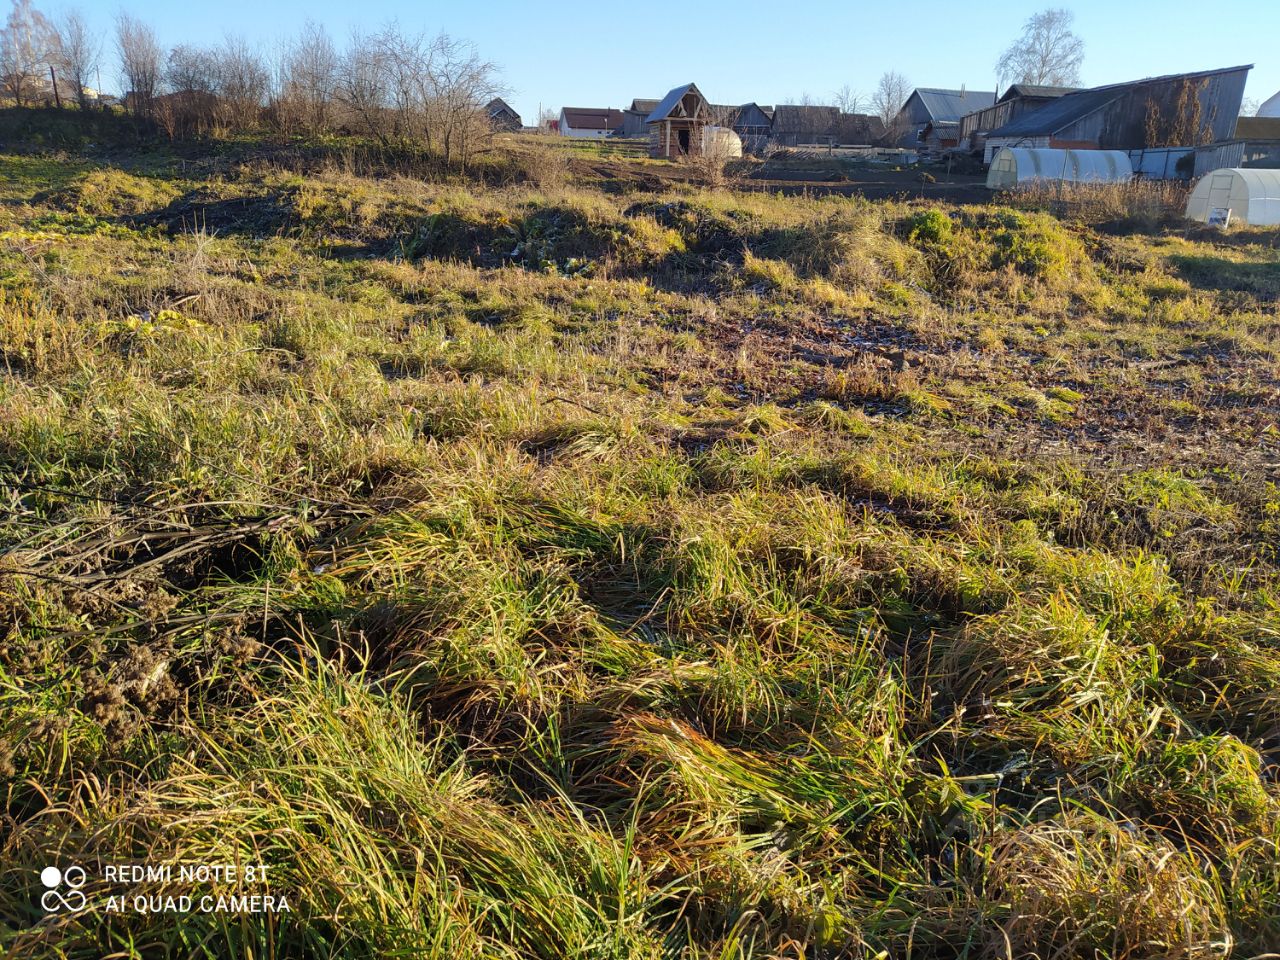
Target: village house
x=589, y=122
x=1180, y=110
x=501, y=116
x=931, y=115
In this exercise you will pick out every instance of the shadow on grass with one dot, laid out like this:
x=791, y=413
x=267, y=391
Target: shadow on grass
x=1218, y=273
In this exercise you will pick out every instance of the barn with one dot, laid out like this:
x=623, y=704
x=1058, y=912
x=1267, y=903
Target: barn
x=1020, y=98
x=677, y=123
x=1179, y=110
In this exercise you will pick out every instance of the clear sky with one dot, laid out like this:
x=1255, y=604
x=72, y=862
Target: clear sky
x=596, y=54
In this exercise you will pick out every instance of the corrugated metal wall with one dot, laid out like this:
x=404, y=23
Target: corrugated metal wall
x=1219, y=155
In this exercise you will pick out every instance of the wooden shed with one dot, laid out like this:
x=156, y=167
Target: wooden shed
x=677, y=123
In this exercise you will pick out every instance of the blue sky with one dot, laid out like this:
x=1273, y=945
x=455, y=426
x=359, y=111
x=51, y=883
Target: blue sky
x=601, y=54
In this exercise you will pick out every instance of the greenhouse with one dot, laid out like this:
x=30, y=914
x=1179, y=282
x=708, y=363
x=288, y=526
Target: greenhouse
x=1236, y=196
x=1014, y=167
x=721, y=143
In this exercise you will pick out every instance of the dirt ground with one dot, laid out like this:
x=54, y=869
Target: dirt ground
x=813, y=176
x=877, y=182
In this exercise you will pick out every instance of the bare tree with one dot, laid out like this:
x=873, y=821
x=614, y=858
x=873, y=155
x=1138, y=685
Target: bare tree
x=892, y=91
x=190, y=85
x=407, y=90
x=462, y=83
x=29, y=46
x=309, y=79
x=242, y=83
x=362, y=86
x=191, y=70
x=848, y=99
x=1047, y=52
x=80, y=52
x=140, y=60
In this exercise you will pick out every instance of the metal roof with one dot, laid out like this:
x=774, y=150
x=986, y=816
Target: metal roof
x=951, y=105
x=1067, y=109
x=592, y=118
x=669, y=102
x=1036, y=91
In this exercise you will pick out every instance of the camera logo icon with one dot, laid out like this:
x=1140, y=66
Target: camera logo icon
x=63, y=891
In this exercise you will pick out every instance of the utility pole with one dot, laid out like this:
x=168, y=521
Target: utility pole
x=57, y=100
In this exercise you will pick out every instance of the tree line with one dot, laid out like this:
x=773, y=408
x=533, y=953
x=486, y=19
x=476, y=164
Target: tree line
x=400, y=88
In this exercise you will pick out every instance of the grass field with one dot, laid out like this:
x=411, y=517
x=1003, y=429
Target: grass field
x=534, y=564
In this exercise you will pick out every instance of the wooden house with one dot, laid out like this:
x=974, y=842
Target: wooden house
x=934, y=107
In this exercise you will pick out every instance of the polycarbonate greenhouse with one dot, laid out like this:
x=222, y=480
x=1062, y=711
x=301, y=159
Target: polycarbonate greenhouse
x=1250, y=196
x=721, y=142
x=1014, y=167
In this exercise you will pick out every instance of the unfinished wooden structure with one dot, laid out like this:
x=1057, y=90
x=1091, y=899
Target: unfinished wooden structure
x=677, y=124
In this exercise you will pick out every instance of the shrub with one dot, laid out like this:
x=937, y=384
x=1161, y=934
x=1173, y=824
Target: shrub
x=930, y=227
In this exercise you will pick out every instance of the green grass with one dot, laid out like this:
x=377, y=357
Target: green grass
x=528, y=569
